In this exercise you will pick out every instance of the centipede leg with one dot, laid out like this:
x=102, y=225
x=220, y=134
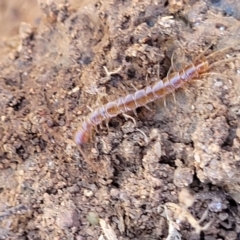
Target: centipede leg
x=164, y=100
x=107, y=124
x=123, y=87
x=135, y=112
x=148, y=108
x=172, y=67
x=129, y=117
x=134, y=87
x=174, y=97
x=144, y=135
x=165, y=103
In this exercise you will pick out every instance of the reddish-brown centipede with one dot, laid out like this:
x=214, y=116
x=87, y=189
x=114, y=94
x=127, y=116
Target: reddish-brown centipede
x=146, y=95
x=140, y=98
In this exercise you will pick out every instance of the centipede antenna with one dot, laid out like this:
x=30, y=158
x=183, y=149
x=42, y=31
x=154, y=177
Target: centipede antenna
x=222, y=50
x=213, y=73
x=223, y=61
x=203, y=53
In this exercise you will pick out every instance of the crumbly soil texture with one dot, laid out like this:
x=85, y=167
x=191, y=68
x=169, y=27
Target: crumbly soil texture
x=169, y=172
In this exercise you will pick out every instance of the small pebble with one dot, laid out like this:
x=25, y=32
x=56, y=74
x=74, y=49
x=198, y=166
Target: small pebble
x=93, y=218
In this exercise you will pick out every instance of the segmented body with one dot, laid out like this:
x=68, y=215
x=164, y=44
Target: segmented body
x=139, y=98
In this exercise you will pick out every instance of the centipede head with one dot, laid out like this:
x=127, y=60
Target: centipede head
x=202, y=66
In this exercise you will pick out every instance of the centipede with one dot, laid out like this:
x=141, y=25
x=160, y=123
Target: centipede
x=142, y=97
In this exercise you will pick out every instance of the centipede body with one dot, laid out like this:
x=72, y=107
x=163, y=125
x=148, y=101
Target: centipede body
x=139, y=98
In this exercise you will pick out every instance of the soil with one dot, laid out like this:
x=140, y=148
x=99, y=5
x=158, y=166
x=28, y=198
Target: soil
x=150, y=176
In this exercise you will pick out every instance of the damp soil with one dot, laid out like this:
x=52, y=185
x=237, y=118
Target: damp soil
x=149, y=176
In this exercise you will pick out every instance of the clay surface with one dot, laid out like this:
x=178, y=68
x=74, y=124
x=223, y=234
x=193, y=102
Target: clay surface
x=150, y=176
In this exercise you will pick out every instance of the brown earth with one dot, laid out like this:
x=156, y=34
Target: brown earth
x=150, y=176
